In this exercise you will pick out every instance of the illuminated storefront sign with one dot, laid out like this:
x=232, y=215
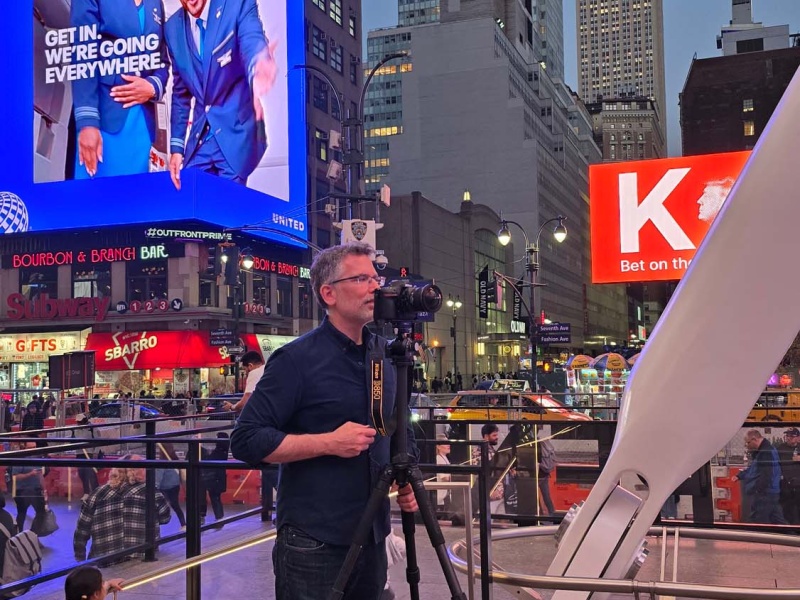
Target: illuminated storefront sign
x=266, y=265
x=45, y=307
x=188, y=234
x=137, y=350
x=91, y=256
x=37, y=347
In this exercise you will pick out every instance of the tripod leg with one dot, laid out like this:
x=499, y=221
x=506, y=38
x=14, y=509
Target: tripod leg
x=363, y=530
x=412, y=568
x=414, y=477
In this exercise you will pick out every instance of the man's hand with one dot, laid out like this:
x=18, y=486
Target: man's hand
x=90, y=149
x=136, y=91
x=735, y=478
x=264, y=73
x=227, y=406
x=175, y=166
x=351, y=439
x=405, y=498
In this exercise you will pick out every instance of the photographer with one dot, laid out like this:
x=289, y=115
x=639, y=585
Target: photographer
x=309, y=412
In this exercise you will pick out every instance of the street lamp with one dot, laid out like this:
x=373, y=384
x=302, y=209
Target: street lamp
x=532, y=267
x=455, y=305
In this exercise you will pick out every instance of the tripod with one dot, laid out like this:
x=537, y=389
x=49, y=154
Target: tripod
x=403, y=472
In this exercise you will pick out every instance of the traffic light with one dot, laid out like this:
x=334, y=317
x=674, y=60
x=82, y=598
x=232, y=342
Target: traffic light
x=230, y=260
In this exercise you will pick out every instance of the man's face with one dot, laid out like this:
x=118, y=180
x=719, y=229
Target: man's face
x=713, y=196
x=194, y=7
x=792, y=440
x=492, y=438
x=752, y=442
x=351, y=300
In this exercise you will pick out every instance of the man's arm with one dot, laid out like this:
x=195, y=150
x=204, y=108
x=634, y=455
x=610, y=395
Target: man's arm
x=259, y=434
x=257, y=55
x=85, y=95
x=179, y=120
x=83, y=530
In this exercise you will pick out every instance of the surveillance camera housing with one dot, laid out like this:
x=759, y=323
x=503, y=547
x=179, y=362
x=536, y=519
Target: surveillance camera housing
x=381, y=261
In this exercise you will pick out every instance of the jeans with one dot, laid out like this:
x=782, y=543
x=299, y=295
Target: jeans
x=544, y=488
x=306, y=569
x=35, y=499
x=765, y=508
x=172, y=496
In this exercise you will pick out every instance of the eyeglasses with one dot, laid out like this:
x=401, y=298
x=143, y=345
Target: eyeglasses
x=361, y=279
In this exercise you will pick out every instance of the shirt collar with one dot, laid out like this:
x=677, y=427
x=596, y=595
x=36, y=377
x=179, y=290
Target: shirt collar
x=341, y=339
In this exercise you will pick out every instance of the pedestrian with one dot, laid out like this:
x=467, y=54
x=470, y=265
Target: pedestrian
x=27, y=490
x=254, y=367
x=789, y=453
x=546, y=466
x=8, y=529
x=168, y=481
x=87, y=475
x=442, y=496
x=101, y=520
x=33, y=418
x=762, y=480
x=87, y=583
x=214, y=481
x=309, y=414
x=491, y=433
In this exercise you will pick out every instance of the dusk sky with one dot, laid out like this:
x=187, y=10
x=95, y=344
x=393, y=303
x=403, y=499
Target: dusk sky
x=690, y=26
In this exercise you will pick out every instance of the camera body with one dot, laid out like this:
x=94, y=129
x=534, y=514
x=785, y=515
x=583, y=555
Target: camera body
x=403, y=301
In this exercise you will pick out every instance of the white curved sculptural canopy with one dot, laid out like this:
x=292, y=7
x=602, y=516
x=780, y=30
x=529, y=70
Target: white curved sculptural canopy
x=718, y=341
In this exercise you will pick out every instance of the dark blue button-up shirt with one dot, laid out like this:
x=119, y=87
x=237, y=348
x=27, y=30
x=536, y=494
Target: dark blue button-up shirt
x=314, y=385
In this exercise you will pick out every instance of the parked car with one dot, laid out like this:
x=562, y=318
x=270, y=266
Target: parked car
x=113, y=410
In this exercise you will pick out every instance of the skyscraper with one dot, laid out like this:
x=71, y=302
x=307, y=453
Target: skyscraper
x=621, y=51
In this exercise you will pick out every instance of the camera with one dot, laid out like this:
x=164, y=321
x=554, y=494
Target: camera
x=401, y=300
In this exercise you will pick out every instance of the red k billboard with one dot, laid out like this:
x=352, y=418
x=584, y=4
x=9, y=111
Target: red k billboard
x=649, y=217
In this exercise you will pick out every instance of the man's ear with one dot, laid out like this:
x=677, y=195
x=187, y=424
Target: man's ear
x=328, y=294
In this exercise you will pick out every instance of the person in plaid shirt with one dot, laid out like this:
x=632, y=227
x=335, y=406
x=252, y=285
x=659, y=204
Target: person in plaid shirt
x=102, y=519
x=135, y=509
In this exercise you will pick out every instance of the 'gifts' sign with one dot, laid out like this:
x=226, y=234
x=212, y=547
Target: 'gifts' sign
x=649, y=217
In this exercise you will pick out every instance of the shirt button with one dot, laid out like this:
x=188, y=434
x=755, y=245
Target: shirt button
x=138, y=73
x=208, y=108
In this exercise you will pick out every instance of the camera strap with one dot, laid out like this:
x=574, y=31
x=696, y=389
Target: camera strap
x=383, y=426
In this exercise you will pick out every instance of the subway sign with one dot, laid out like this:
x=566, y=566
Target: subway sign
x=91, y=256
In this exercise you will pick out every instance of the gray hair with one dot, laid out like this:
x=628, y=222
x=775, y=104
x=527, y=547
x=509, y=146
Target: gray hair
x=325, y=267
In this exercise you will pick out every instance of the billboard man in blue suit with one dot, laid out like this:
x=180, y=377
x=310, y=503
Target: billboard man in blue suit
x=221, y=58
x=115, y=114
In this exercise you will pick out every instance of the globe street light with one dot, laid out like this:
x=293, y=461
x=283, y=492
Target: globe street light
x=455, y=305
x=532, y=267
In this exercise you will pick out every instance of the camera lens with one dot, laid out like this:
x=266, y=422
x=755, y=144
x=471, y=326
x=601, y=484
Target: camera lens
x=427, y=298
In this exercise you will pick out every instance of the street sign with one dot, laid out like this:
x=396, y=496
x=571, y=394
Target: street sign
x=555, y=328
x=554, y=338
x=222, y=337
x=236, y=350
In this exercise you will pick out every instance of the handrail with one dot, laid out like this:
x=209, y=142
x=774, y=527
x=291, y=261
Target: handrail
x=625, y=586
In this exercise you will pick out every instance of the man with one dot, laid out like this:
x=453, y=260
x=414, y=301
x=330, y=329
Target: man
x=309, y=412
x=490, y=433
x=713, y=197
x=254, y=367
x=762, y=480
x=27, y=489
x=221, y=59
x=101, y=520
x=134, y=508
x=789, y=453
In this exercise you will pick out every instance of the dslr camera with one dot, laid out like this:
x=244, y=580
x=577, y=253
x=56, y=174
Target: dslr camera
x=402, y=301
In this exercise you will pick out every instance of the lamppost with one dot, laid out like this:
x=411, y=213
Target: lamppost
x=352, y=126
x=532, y=267
x=455, y=305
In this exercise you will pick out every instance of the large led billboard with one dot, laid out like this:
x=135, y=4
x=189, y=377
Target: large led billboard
x=152, y=110
x=649, y=217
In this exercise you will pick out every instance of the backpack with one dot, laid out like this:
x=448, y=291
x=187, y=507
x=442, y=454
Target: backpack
x=23, y=559
x=547, y=457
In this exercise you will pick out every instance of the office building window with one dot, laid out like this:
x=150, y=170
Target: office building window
x=320, y=4
x=147, y=280
x=320, y=91
x=91, y=281
x=35, y=281
x=747, y=105
x=337, y=59
x=208, y=279
x=284, y=297
x=351, y=26
x=321, y=139
x=319, y=46
x=749, y=128
x=335, y=110
x=353, y=72
x=336, y=11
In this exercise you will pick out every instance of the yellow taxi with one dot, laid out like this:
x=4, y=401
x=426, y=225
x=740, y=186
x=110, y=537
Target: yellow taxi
x=503, y=405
